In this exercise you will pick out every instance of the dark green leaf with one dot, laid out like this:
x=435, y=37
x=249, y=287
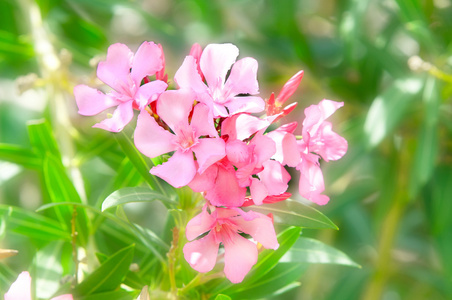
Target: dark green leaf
x=109, y=275
x=294, y=213
x=135, y=194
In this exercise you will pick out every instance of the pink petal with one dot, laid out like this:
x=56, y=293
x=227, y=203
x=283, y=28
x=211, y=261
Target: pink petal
x=242, y=126
x=316, y=114
x=289, y=88
x=90, y=101
x=286, y=148
x=311, y=183
x=196, y=51
x=121, y=117
x=275, y=177
x=240, y=255
x=258, y=191
x=21, y=288
x=264, y=148
x=248, y=104
x=216, y=60
x=219, y=110
x=202, y=121
x=187, y=77
x=261, y=229
x=226, y=191
x=149, y=92
x=328, y=143
x=202, y=254
x=174, y=107
x=239, y=153
x=205, y=181
x=178, y=171
x=146, y=62
x=243, y=77
x=208, y=151
x=151, y=139
x=115, y=70
x=199, y=224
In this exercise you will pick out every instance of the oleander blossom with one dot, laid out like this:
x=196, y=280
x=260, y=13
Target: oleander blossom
x=216, y=144
x=223, y=226
x=123, y=71
x=21, y=289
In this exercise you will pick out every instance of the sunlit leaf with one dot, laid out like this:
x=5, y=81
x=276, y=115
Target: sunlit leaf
x=294, y=213
x=48, y=269
x=21, y=156
x=307, y=250
x=135, y=194
x=115, y=295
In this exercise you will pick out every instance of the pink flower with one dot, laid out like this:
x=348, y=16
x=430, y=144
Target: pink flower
x=21, y=289
x=221, y=93
x=123, y=71
x=186, y=138
x=223, y=226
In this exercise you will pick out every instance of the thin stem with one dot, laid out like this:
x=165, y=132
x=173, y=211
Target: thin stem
x=74, y=244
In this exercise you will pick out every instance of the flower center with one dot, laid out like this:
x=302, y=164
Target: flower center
x=186, y=138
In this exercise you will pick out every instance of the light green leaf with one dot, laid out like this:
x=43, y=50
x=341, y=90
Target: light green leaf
x=61, y=189
x=7, y=276
x=294, y=213
x=32, y=224
x=222, y=297
x=115, y=295
x=135, y=194
x=41, y=138
x=307, y=250
x=48, y=269
x=109, y=275
x=21, y=156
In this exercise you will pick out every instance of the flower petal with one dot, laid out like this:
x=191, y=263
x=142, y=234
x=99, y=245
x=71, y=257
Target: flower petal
x=149, y=92
x=178, y=171
x=146, y=62
x=287, y=151
x=21, y=288
x=174, y=107
x=328, y=143
x=226, y=191
x=242, y=126
x=261, y=229
x=202, y=254
x=115, y=70
x=311, y=183
x=275, y=177
x=258, y=191
x=199, y=224
x=216, y=60
x=205, y=181
x=63, y=297
x=208, y=151
x=151, y=139
x=90, y=101
x=121, y=117
x=248, y=104
x=202, y=121
x=240, y=255
x=187, y=77
x=243, y=77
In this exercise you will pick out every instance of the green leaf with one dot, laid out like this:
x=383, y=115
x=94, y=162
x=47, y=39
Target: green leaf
x=48, y=269
x=135, y=194
x=32, y=224
x=7, y=276
x=141, y=163
x=41, y=138
x=21, y=156
x=115, y=295
x=222, y=297
x=389, y=108
x=267, y=260
x=307, y=250
x=294, y=213
x=61, y=189
x=109, y=275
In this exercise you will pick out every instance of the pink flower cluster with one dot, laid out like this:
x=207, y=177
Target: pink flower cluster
x=219, y=148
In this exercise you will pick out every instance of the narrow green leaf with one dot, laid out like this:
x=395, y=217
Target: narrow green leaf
x=7, y=276
x=61, y=189
x=109, y=275
x=294, y=213
x=32, y=224
x=21, y=156
x=41, y=137
x=307, y=250
x=141, y=163
x=115, y=295
x=135, y=194
x=48, y=269
x=222, y=297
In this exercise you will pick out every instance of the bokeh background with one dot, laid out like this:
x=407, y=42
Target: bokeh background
x=389, y=61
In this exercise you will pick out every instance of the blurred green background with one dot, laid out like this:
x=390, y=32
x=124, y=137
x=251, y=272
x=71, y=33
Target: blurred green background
x=390, y=61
